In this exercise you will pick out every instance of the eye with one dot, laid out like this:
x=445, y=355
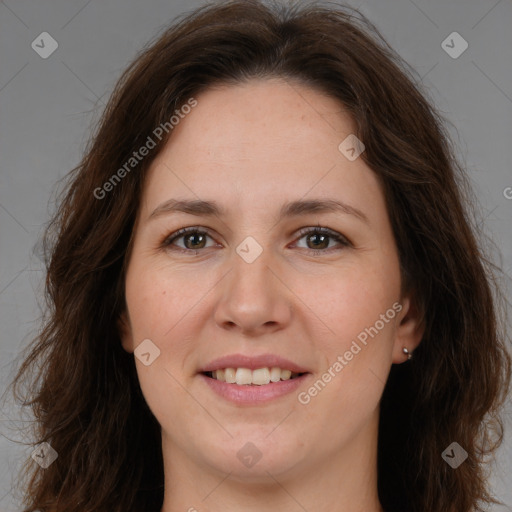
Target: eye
x=193, y=240
x=318, y=239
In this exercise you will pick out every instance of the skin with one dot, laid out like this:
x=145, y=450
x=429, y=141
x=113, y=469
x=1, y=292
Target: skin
x=252, y=148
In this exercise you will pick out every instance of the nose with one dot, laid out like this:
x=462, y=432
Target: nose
x=254, y=299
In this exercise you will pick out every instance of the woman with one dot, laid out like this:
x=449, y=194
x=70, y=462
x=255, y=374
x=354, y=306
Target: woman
x=265, y=287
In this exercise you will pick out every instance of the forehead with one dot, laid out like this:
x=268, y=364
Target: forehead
x=273, y=119
x=257, y=141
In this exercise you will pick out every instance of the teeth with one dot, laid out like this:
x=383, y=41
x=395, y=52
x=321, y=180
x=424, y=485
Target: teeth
x=259, y=377
x=285, y=374
x=243, y=376
x=229, y=375
x=275, y=374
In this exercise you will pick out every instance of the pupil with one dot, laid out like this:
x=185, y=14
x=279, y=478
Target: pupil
x=189, y=237
x=324, y=237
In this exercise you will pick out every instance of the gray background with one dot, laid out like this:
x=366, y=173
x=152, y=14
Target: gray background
x=47, y=107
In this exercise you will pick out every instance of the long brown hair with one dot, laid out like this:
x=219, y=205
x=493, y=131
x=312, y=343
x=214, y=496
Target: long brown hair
x=84, y=390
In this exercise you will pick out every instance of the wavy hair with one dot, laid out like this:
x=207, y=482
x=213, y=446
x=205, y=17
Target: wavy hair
x=82, y=386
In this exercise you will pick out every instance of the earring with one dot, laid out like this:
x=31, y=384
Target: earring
x=406, y=352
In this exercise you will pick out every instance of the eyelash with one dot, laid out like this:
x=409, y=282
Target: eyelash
x=318, y=230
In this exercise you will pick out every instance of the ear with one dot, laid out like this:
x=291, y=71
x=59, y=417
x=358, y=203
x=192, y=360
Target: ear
x=125, y=332
x=410, y=328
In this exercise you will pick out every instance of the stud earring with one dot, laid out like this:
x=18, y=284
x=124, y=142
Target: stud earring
x=407, y=353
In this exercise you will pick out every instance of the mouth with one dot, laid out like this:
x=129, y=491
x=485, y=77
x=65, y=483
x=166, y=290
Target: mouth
x=253, y=380
x=244, y=387
x=256, y=377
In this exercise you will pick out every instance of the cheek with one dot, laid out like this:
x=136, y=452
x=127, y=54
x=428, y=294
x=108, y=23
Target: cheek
x=355, y=339
x=161, y=307
x=160, y=297
x=360, y=306
x=350, y=299
x=160, y=304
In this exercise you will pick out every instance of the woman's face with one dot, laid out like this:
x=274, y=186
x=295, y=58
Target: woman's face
x=257, y=282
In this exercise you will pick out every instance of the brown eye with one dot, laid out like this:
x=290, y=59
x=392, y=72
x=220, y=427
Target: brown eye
x=193, y=240
x=319, y=240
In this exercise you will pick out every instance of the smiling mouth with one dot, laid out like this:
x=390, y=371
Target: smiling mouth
x=247, y=377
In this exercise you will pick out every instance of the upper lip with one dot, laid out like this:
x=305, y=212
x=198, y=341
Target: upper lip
x=252, y=363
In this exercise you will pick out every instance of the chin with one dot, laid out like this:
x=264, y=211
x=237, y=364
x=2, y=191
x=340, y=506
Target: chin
x=251, y=457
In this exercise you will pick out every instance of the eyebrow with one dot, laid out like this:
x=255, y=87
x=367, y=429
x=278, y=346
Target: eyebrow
x=291, y=209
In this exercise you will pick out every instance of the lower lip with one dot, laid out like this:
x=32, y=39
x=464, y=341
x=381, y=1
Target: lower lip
x=253, y=395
